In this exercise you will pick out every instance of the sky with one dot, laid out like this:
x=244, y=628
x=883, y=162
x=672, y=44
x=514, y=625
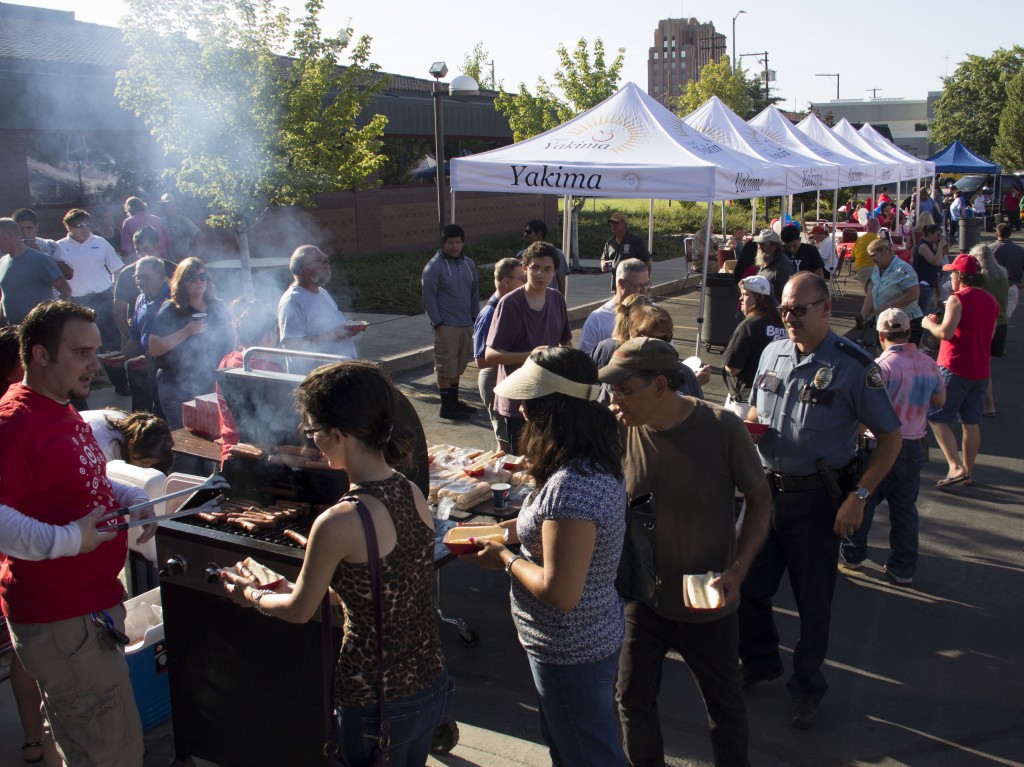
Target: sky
x=906, y=51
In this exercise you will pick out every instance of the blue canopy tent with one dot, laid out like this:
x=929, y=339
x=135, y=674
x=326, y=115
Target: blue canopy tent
x=956, y=158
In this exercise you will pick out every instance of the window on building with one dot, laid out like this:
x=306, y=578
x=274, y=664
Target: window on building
x=923, y=127
x=655, y=55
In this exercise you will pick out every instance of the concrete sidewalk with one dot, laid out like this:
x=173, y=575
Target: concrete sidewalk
x=402, y=343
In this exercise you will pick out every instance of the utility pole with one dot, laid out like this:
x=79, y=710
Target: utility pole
x=835, y=75
x=763, y=57
x=874, y=92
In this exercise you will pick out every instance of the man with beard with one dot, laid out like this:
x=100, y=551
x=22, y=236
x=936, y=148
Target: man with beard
x=307, y=317
x=53, y=471
x=771, y=263
x=813, y=390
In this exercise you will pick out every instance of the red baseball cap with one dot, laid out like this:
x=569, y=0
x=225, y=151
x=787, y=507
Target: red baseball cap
x=965, y=263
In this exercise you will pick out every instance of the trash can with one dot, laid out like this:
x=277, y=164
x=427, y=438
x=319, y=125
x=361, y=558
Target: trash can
x=721, y=297
x=970, y=233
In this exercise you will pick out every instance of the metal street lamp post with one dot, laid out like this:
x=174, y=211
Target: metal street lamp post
x=463, y=85
x=734, y=39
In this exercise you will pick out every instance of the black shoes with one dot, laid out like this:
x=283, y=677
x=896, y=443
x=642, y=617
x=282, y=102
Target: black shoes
x=805, y=711
x=748, y=679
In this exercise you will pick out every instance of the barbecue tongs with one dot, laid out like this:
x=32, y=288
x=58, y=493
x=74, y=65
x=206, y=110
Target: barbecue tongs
x=205, y=497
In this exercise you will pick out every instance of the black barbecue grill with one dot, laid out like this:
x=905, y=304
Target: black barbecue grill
x=246, y=689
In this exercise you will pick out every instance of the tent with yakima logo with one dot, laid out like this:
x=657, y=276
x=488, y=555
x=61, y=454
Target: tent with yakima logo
x=629, y=145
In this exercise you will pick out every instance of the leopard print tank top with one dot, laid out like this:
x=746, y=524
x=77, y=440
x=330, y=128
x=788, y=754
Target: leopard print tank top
x=412, y=648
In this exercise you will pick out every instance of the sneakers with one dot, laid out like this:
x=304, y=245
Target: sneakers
x=845, y=564
x=805, y=711
x=897, y=579
x=748, y=678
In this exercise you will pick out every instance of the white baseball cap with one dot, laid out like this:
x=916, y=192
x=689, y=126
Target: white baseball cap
x=756, y=284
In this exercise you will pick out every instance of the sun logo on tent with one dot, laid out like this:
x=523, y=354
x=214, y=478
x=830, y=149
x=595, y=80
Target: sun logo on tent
x=620, y=134
x=632, y=180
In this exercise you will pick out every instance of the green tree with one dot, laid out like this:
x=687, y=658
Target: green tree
x=478, y=65
x=247, y=127
x=1009, y=148
x=581, y=83
x=755, y=88
x=717, y=78
x=973, y=98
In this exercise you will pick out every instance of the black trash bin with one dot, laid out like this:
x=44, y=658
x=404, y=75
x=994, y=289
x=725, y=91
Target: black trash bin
x=720, y=309
x=970, y=233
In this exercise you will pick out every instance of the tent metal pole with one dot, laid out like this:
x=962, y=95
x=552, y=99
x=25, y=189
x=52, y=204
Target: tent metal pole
x=753, y=215
x=704, y=279
x=650, y=226
x=452, y=207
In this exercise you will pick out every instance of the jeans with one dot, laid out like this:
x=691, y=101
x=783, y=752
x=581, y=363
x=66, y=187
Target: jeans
x=924, y=300
x=577, y=712
x=485, y=382
x=413, y=720
x=802, y=541
x=710, y=651
x=899, y=488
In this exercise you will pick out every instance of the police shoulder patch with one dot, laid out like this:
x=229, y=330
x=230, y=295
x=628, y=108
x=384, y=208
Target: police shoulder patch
x=874, y=378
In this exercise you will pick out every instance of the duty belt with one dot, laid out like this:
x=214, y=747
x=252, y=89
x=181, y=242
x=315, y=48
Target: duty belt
x=801, y=483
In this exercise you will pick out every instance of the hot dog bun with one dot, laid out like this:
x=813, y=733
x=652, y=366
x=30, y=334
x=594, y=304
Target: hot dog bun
x=261, y=575
x=700, y=593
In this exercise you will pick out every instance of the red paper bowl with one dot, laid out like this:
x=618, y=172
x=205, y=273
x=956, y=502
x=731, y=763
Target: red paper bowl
x=756, y=429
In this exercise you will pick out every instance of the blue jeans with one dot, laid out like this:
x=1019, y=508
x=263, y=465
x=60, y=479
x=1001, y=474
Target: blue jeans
x=924, y=300
x=899, y=488
x=577, y=712
x=413, y=721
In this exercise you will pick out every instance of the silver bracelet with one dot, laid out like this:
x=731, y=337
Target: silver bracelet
x=512, y=561
x=257, y=596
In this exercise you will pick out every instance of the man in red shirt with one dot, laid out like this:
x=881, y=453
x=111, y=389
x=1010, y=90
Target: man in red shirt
x=66, y=614
x=966, y=330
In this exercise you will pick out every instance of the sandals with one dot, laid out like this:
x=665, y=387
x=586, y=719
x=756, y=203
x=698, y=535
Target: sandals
x=947, y=481
x=27, y=747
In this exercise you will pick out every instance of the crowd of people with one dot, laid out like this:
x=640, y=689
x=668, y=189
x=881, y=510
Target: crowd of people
x=617, y=419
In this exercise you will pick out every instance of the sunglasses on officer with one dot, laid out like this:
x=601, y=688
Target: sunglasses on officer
x=798, y=310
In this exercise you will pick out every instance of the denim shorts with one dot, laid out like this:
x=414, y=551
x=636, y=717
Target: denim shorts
x=964, y=398
x=412, y=719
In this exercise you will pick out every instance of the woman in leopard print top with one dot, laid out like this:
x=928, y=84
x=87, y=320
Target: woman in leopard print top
x=350, y=410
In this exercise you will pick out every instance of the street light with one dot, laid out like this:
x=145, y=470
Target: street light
x=734, y=39
x=830, y=76
x=463, y=85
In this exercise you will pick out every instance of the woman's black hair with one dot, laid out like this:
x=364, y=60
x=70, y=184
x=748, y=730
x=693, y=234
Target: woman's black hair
x=144, y=435
x=357, y=398
x=561, y=429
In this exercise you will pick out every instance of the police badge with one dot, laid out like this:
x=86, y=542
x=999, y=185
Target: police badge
x=822, y=378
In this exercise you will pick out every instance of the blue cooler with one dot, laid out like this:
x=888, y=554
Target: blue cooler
x=147, y=666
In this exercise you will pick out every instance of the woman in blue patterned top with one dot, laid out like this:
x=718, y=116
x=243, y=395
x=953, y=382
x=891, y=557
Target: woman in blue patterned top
x=564, y=603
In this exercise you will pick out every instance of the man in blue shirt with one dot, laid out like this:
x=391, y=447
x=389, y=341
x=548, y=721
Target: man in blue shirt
x=151, y=278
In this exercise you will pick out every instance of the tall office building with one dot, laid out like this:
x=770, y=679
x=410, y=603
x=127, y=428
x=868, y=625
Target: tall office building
x=681, y=49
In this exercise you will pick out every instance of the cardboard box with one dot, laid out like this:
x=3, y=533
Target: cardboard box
x=147, y=666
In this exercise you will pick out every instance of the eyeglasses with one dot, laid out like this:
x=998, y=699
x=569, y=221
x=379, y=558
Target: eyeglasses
x=621, y=392
x=642, y=287
x=80, y=226
x=516, y=277
x=196, y=278
x=310, y=432
x=798, y=310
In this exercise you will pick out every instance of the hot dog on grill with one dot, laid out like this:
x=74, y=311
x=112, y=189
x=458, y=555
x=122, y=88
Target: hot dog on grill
x=299, y=538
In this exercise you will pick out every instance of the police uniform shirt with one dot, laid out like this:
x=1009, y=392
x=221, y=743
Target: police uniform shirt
x=814, y=405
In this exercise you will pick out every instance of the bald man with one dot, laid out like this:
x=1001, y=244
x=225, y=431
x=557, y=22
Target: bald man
x=307, y=317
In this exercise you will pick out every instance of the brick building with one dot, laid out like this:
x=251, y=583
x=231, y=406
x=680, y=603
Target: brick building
x=681, y=49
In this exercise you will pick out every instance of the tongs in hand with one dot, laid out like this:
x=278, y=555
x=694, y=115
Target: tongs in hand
x=215, y=482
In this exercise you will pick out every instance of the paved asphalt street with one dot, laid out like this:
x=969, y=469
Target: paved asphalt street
x=928, y=676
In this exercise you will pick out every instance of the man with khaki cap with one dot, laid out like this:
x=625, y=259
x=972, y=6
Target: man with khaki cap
x=914, y=383
x=772, y=263
x=621, y=245
x=692, y=456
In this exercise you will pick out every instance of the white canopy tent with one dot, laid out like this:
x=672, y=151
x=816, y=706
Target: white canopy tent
x=628, y=146
x=804, y=170
x=923, y=167
x=876, y=170
x=905, y=170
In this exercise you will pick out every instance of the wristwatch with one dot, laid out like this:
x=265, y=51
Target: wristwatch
x=862, y=493
x=512, y=561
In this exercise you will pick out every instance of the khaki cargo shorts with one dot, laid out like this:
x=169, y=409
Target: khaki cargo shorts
x=453, y=347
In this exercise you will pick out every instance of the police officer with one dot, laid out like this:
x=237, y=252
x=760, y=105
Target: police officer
x=812, y=389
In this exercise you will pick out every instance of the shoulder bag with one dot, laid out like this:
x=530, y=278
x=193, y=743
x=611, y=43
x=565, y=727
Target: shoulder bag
x=381, y=757
x=637, y=576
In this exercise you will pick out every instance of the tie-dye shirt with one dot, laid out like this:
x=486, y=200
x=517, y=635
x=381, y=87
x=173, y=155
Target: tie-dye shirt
x=911, y=378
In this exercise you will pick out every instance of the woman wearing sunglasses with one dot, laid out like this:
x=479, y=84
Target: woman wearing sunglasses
x=191, y=335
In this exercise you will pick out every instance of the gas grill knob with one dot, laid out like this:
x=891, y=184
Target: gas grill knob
x=176, y=565
x=213, y=573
